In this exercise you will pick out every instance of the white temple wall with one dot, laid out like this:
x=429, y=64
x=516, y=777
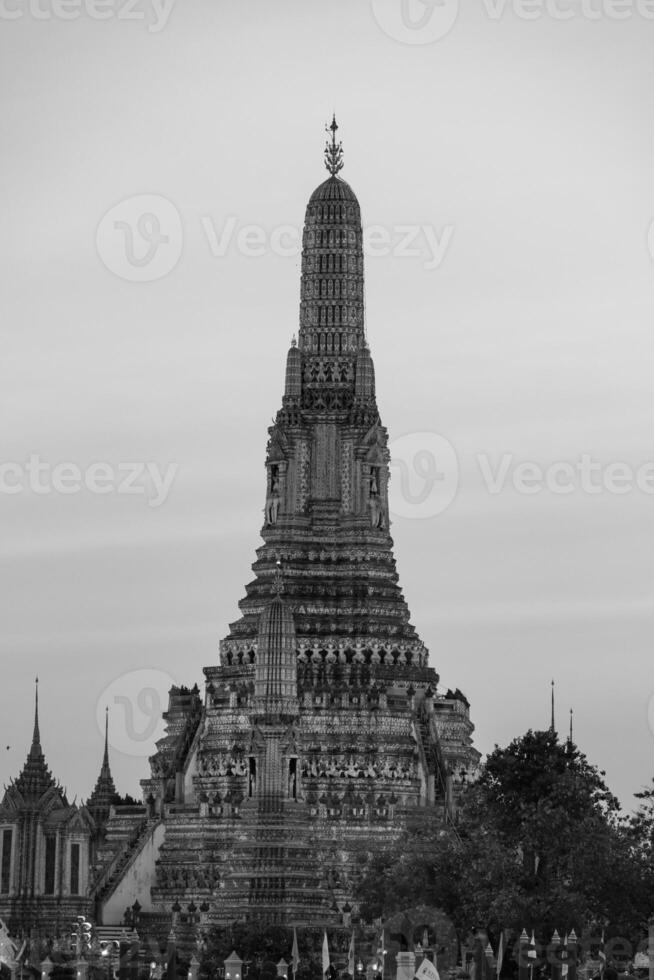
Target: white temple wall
x=136, y=881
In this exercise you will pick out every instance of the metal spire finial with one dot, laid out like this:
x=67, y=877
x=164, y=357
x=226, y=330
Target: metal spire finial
x=105, y=760
x=552, y=726
x=36, y=737
x=333, y=150
x=571, y=715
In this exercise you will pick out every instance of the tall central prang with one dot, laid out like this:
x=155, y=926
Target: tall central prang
x=326, y=512
x=322, y=729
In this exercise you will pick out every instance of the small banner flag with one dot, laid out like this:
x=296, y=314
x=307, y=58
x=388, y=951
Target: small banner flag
x=295, y=953
x=325, y=954
x=500, y=953
x=350, y=957
x=427, y=971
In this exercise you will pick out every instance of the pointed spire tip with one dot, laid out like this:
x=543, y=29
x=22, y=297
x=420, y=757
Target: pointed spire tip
x=333, y=150
x=36, y=735
x=105, y=760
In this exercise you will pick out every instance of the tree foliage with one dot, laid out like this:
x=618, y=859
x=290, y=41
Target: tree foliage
x=641, y=826
x=539, y=842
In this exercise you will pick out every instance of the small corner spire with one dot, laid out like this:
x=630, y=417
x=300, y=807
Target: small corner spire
x=36, y=736
x=552, y=724
x=333, y=150
x=102, y=796
x=105, y=760
x=571, y=718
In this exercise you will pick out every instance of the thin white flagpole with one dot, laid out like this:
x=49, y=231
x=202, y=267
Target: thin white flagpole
x=295, y=953
x=500, y=953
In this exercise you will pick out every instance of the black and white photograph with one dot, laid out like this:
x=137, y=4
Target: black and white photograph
x=327, y=490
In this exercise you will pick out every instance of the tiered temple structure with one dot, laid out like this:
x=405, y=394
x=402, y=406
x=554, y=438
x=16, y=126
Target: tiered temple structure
x=104, y=796
x=45, y=850
x=51, y=850
x=322, y=729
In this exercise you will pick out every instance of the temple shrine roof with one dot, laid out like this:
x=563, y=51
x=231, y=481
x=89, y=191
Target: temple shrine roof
x=333, y=189
x=35, y=779
x=104, y=793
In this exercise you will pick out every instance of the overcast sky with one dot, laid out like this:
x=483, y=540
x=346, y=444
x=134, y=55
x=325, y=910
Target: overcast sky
x=518, y=329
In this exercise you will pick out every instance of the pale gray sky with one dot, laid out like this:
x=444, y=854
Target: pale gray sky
x=525, y=147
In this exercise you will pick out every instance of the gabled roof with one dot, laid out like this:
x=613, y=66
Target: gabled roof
x=73, y=817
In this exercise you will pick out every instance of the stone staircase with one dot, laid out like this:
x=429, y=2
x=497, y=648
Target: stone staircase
x=274, y=867
x=430, y=750
x=114, y=871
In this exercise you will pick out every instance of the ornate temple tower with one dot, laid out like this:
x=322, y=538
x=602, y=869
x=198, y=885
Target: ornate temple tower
x=44, y=850
x=322, y=728
x=326, y=512
x=104, y=794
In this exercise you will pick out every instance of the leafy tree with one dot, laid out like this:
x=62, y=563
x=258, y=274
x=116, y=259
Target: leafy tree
x=642, y=825
x=551, y=813
x=539, y=843
x=640, y=833
x=421, y=870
